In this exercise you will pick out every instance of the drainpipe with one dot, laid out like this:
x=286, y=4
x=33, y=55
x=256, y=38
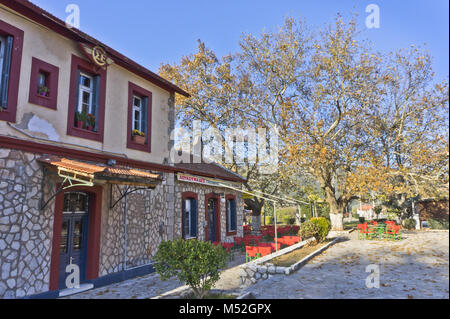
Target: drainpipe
x=125, y=232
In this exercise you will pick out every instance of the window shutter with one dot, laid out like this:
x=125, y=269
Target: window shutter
x=95, y=98
x=77, y=95
x=183, y=212
x=144, y=117
x=6, y=71
x=233, y=215
x=194, y=218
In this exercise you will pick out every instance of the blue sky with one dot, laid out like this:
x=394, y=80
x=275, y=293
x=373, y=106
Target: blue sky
x=154, y=32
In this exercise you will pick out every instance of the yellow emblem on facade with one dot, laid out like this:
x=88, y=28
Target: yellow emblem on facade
x=99, y=56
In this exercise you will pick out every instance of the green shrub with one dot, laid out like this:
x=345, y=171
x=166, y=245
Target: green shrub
x=325, y=226
x=309, y=230
x=362, y=220
x=438, y=224
x=317, y=228
x=194, y=262
x=289, y=221
x=410, y=224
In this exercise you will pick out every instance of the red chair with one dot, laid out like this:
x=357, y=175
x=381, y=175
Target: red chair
x=394, y=232
x=251, y=253
x=264, y=251
x=363, y=231
x=294, y=239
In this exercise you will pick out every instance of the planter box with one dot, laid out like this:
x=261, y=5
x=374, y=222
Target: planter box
x=138, y=139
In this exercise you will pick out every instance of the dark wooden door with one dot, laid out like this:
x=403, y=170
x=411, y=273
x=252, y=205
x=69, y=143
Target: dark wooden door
x=74, y=233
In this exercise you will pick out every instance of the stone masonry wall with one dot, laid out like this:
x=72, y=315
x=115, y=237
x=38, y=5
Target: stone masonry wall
x=149, y=221
x=201, y=191
x=25, y=230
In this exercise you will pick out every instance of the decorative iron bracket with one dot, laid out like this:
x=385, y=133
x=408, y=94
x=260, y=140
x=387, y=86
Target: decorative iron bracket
x=127, y=191
x=68, y=182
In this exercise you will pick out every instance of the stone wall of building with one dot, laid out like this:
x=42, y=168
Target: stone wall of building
x=25, y=230
x=202, y=191
x=149, y=215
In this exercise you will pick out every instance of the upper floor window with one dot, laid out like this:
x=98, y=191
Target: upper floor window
x=5, y=50
x=138, y=110
x=189, y=218
x=231, y=215
x=139, y=118
x=43, y=84
x=85, y=94
x=86, y=100
x=11, y=44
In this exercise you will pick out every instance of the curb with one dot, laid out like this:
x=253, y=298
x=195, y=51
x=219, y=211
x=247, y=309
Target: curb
x=302, y=262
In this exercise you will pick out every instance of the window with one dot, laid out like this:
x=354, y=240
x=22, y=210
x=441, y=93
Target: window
x=139, y=118
x=5, y=67
x=11, y=44
x=44, y=84
x=137, y=114
x=86, y=100
x=85, y=94
x=189, y=218
x=3, y=44
x=231, y=215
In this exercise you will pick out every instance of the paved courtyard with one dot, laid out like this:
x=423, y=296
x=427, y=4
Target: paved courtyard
x=416, y=267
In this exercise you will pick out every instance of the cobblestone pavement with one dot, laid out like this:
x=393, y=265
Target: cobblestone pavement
x=416, y=267
x=151, y=286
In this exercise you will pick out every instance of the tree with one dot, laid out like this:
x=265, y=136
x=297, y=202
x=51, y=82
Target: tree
x=218, y=93
x=358, y=121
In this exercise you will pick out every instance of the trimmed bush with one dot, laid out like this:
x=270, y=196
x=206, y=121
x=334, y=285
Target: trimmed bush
x=325, y=226
x=317, y=228
x=362, y=220
x=194, y=262
x=410, y=224
x=309, y=230
x=437, y=224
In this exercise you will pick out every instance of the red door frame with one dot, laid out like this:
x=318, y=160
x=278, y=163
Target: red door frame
x=217, y=216
x=93, y=254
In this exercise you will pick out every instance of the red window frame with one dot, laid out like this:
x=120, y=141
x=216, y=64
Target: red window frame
x=38, y=66
x=184, y=196
x=229, y=197
x=83, y=65
x=135, y=89
x=9, y=115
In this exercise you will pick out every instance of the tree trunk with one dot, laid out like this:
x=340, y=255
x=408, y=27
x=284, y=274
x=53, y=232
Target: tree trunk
x=256, y=206
x=337, y=209
x=256, y=223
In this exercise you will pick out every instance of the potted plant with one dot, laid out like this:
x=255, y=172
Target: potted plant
x=79, y=123
x=43, y=91
x=138, y=137
x=91, y=121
